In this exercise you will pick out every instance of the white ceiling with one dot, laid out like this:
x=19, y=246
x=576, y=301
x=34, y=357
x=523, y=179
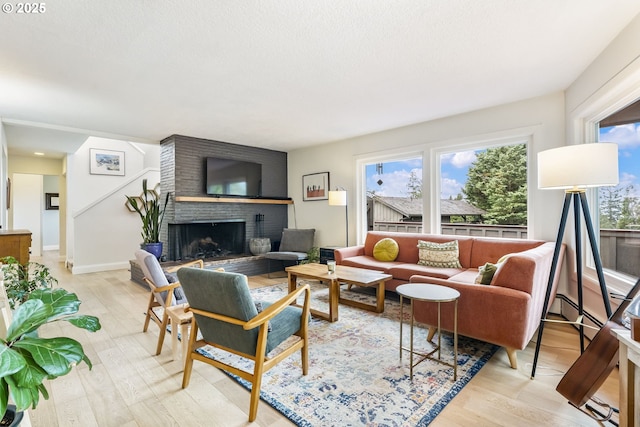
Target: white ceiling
x=287, y=73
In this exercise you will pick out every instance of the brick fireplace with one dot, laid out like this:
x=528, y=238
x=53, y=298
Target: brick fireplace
x=196, y=223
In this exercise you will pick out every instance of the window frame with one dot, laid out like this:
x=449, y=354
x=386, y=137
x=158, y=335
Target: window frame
x=583, y=127
x=516, y=136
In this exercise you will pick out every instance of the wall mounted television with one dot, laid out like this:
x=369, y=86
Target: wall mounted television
x=233, y=178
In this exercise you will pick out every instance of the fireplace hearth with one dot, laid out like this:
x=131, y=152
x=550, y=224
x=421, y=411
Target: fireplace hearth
x=206, y=239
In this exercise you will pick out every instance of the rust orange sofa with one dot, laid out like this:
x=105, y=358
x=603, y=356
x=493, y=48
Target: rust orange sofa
x=506, y=312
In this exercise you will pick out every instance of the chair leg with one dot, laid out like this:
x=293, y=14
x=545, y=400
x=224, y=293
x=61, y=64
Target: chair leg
x=148, y=314
x=188, y=367
x=255, y=389
x=163, y=331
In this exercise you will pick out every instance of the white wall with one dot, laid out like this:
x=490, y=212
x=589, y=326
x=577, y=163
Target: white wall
x=542, y=118
x=102, y=232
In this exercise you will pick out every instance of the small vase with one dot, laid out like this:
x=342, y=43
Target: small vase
x=153, y=248
x=259, y=245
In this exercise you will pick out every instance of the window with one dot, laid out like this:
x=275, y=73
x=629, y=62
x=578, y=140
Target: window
x=394, y=195
x=619, y=206
x=483, y=192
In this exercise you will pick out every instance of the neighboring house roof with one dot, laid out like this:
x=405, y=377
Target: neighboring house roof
x=413, y=207
x=458, y=207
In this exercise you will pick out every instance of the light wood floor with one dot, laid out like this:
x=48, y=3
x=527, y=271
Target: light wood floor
x=129, y=386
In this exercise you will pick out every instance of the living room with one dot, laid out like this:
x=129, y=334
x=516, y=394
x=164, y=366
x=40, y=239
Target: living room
x=606, y=82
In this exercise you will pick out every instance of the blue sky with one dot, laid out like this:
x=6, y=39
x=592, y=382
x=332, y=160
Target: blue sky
x=628, y=139
x=454, y=167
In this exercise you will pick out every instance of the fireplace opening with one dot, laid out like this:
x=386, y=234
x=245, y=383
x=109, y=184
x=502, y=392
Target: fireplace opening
x=211, y=239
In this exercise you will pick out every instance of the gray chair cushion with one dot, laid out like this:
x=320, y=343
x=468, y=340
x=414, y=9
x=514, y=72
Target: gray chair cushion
x=287, y=256
x=228, y=294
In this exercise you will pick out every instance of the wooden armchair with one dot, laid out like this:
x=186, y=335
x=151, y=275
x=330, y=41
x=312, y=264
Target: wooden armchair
x=227, y=319
x=163, y=293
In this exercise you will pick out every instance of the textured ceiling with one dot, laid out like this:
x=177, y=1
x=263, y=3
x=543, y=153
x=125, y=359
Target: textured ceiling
x=288, y=73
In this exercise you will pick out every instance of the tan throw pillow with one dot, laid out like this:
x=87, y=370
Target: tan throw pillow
x=386, y=250
x=444, y=255
x=485, y=273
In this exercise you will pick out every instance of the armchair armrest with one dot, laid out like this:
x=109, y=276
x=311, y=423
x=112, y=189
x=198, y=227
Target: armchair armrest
x=275, y=308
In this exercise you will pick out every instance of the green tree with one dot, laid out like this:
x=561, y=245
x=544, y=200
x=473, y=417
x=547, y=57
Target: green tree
x=611, y=200
x=497, y=183
x=414, y=186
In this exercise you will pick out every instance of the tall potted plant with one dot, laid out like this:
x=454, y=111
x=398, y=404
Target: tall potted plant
x=151, y=213
x=26, y=359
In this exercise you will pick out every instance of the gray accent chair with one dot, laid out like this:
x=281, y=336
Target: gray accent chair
x=163, y=294
x=294, y=246
x=227, y=318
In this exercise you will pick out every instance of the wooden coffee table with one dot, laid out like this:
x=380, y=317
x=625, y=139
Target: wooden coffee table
x=343, y=274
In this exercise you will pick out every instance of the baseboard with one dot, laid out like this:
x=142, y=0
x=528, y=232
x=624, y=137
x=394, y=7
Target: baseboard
x=569, y=310
x=99, y=267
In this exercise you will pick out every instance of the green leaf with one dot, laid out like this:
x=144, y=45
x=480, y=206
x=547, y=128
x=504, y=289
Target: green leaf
x=22, y=396
x=28, y=317
x=4, y=395
x=10, y=361
x=90, y=323
x=61, y=301
x=55, y=355
x=32, y=374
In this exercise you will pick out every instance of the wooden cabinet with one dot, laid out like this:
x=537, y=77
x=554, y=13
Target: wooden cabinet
x=15, y=243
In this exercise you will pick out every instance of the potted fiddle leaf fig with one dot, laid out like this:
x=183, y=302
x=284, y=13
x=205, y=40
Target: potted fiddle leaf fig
x=20, y=280
x=26, y=359
x=151, y=213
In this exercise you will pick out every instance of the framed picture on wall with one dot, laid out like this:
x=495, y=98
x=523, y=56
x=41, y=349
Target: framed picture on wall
x=106, y=162
x=315, y=186
x=52, y=201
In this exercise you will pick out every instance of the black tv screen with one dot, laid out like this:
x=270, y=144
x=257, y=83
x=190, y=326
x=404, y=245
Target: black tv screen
x=227, y=177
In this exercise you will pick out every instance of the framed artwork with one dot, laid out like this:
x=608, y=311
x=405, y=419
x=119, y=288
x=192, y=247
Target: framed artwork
x=106, y=162
x=52, y=201
x=315, y=186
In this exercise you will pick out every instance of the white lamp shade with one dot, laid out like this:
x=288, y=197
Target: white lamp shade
x=338, y=198
x=578, y=166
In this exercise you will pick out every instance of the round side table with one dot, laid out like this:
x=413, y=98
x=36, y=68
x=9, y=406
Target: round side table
x=430, y=293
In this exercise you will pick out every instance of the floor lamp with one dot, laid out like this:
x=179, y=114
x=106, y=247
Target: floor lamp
x=575, y=168
x=339, y=198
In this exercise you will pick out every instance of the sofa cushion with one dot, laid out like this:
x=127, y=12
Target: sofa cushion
x=485, y=273
x=443, y=255
x=405, y=271
x=386, y=250
x=363, y=261
x=491, y=249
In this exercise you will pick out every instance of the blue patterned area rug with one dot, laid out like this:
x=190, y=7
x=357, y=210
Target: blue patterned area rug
x=356, y=377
